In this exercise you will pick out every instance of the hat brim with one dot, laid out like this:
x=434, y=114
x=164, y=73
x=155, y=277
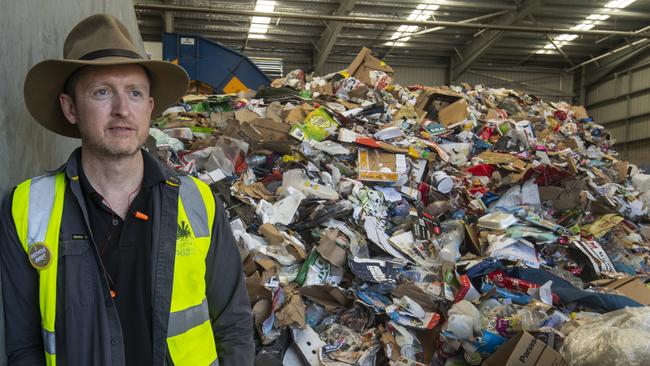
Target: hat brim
x=45, y=82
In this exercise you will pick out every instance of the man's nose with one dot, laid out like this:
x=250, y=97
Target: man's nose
x=120, y=105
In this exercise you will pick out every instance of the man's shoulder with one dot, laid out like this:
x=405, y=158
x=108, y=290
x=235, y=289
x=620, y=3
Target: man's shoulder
x=47, y=174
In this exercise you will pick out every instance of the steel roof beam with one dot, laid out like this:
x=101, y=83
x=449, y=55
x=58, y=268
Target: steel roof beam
x=480, y=46
x=390, y=21
x=332, y=31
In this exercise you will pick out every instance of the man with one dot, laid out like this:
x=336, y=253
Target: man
x=115, y=259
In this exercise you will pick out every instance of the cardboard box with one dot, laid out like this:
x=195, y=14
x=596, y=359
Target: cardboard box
x=453, y=113
x=379, y=166
x=631, y=287
x=437, y=98
x=524, y=350
x=580, y=111
x=364, y=63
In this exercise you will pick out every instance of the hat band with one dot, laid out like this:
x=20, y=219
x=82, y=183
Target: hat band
x=109, y=52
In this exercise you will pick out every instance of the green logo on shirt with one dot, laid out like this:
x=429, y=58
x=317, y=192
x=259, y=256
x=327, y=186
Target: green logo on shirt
x=183, y=231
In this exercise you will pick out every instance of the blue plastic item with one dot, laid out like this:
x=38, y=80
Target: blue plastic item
x=517, y=298
x=489, y=342
x=225, y=70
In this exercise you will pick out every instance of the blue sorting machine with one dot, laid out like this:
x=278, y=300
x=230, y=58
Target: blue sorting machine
x=208, y=62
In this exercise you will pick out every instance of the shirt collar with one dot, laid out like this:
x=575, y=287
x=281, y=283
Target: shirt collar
x=154, y=171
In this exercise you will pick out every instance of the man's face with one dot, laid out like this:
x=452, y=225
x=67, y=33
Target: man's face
x=112, y=108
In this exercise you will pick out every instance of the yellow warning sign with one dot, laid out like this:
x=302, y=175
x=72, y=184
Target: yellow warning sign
x=234, y=86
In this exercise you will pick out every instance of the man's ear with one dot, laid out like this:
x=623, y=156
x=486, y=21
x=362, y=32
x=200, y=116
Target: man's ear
x=69, y=108
x=151, y=105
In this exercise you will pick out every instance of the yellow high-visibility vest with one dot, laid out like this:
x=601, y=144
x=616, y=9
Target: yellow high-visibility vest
x=37, y=210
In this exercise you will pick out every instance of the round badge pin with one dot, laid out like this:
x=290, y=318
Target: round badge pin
x=40, y=255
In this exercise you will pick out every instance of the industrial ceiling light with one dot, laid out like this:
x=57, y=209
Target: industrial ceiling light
x=598, y=17
x=619, y=4
x=260, y=25
x=590, y=22
x=421, y=13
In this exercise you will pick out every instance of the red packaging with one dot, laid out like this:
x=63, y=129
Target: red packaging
x=484, y=170
x=500, y=279
x=560, y=115
x=487, y=133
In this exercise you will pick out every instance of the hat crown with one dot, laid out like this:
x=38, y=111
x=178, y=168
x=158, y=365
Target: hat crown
x=95, y=33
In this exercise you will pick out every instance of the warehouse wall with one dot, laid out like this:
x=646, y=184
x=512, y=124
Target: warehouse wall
x=34, y=30
x=154, y=50
x=621, y=102
x=550, y=85
x=546, y=84
x=405, y=75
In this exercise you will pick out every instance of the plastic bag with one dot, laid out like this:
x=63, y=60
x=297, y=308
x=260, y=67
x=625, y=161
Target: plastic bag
x=621, y=337
x=464, y=320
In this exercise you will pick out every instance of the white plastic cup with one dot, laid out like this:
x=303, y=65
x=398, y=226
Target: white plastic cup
x=444, y=184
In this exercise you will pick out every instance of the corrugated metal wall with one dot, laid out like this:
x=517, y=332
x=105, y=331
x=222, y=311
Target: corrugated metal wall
x=622, y=104
x=404, y=75
x=547, y=84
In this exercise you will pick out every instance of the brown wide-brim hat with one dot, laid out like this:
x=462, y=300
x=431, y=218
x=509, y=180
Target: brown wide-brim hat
x=99, y=40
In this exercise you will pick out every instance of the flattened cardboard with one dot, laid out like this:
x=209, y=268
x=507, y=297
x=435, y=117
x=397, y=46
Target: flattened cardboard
x=621, y=171
x=261, y=310
x=330, y=297
x=428, y=339
x=631, y=287
x=418, y=295
x=219, y=118
x=266, y=263
x=391, y=349
x=580, y=111
x=256, y=290
x=329, y=250
x=249, y=266
x=271, y=130
x=471, y=233
x=524, y=350
x=492, y=115
x=365, y=62
x=296, y=115
x=256, y=190
x=246, y=115
x=274, y=112
x=242, y=131
x=453, y=113
x=292, y=313
x=326, y=89
x=495, y=158
x=271, y=234
x=564, y=197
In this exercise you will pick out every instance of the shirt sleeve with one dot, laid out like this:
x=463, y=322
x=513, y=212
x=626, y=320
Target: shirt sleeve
x=24, y=343
x=230, y=310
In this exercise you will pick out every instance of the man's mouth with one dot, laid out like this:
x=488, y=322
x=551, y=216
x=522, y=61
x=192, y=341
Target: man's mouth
x=121, y=128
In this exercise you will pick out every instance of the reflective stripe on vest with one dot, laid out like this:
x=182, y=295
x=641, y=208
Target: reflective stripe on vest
x=189, y=318
x=37, y=210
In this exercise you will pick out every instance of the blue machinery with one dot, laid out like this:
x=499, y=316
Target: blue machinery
x=207, y=62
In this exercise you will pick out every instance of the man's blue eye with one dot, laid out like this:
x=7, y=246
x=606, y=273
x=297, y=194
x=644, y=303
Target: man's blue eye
x=101, y=92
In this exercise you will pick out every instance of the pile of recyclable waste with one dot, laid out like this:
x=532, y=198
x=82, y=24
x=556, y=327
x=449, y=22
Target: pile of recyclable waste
x=385, y=224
